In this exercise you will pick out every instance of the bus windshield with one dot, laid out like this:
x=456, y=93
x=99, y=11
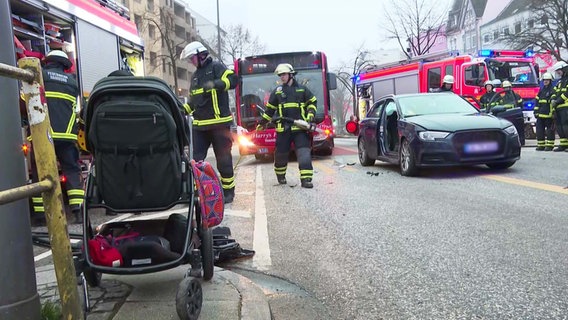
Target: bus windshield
x=256, y=89
x=519, y=73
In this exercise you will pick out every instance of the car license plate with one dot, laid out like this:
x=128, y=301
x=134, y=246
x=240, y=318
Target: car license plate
x=481, y=147
x=263, y=150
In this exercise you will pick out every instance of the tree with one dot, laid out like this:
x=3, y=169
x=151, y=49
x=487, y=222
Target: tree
x=547, y=30
x=415, y=24
x=171, y=44
x=341, y=100
x=237, y=42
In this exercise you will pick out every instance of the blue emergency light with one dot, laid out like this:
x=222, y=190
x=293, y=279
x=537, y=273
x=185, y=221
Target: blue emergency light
x=486, y=53
x=529, y=53
x=529, y=105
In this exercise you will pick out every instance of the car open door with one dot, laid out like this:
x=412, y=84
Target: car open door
x=369, y=127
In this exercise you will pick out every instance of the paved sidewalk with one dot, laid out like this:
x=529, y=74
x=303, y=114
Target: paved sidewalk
x=152, y=296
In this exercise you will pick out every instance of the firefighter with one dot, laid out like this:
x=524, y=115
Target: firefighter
x=559, y=104
x=212, y=118
x=62, y=92
x=447, y=84
x=509, y=98
x=489, y=98
x=543, y=114
x=291, y=100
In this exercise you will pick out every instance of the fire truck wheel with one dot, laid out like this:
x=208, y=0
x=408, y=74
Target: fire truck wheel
x=408, y=166
x=363, y=156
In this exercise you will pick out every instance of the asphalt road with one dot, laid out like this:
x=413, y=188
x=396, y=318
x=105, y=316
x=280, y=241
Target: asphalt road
x=367, y=243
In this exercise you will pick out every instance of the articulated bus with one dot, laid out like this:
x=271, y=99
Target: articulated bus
x=256, y=82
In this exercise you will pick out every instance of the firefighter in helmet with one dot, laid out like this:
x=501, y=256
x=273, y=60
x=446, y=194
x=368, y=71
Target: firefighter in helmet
x=543, y=114
x=291, y=100
x=559, y=104
x=489, y=98
x=62, y=92
x=447, y=84
x=509, y=98
x=212, y=117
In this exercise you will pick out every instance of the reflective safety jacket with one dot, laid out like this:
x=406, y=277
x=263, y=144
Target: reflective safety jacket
x=61, y=91
x=511, y=99
x=489, y=100
x=542, y=108
x=295, y=101
x=560, y=94
x=210, y=108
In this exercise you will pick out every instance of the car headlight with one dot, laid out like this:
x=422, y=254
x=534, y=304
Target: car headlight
x=245, y=142
x=511, y=130
x=432, y=135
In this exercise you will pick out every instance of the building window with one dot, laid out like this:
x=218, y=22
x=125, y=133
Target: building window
x=188, y=36
x=506, y=31
x=495, y=34
x=486, y=38
x=138, y=21
x=152, y=31
x=518, y=27
x=543, y=20
x=126, y=3
x=153, y=56
x=151, y=5
x=530, y=24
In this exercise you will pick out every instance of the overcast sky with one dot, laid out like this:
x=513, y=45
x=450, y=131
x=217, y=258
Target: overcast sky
x=338, y=28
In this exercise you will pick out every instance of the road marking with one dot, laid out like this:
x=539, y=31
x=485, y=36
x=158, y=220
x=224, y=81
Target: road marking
x=260, y=244
x=321, y=167
x=526, y=183
x=48, y=252
x=237, y=213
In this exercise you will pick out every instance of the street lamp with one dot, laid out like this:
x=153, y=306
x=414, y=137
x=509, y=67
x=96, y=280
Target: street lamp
x=218, y=34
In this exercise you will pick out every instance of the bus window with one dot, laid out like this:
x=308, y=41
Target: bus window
x=434, y=78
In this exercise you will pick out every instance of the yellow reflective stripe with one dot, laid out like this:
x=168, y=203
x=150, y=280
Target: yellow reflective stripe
x=215, y=103
x=229, y=180
x=306, y=173
x=76, y=201
x=271, y=106
x=212, y=121
x=290, y=105
x=312, y=107
x=36, y=200
x=71, y=123
x=59, y=95
x=300, y=90
x=76, y=192
x=225, y=78
x=280, y=170
x=39, y=209
x=542, y=101
x=312, y=99
x=59, y=135
x=187, y=108
x=197, y=91
x=265, y=116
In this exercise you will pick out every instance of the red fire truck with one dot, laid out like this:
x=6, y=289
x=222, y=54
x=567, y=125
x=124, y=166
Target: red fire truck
x=256, y=82
x=470, y=72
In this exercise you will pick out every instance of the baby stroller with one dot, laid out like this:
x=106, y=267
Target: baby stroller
x=141, y=147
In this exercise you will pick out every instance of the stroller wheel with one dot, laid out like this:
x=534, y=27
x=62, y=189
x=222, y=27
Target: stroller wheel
x=207, y=255
x=189, y=298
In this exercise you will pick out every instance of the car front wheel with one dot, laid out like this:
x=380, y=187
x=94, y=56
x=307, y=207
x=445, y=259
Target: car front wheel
x=407, y=160
x=363, y=155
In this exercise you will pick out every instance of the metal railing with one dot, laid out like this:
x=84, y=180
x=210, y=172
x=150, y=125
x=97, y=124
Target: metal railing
x=30, y=74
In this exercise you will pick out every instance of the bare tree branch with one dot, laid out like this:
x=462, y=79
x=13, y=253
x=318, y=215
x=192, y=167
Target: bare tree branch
x=238, y=42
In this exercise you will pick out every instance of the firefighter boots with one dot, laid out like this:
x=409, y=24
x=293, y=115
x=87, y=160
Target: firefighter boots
x=228, y=195
x=307, y=183
x=548, y=149
x=281, y=179
x=559, y=148
x=539, y=148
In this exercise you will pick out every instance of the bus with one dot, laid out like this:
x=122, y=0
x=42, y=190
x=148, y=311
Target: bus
x=256, y=82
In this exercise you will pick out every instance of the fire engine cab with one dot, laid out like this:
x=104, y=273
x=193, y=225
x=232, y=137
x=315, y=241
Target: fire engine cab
x=470, y=72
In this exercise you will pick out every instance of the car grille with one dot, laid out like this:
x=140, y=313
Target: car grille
x=463, y=141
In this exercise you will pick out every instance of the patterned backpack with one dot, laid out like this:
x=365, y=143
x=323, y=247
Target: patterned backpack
x=210, y=193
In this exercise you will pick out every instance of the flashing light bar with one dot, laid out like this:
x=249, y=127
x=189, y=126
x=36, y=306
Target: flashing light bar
x=489, y=53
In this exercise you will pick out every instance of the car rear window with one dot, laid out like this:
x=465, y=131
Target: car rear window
x=434, y=103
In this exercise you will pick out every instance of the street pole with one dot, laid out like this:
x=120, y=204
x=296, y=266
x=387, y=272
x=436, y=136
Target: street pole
x=218, y=34
x=18, y=289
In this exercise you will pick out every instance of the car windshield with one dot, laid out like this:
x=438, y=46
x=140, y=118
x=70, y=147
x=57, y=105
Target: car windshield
x=434, y=103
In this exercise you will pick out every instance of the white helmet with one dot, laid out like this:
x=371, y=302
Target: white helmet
x=497, y=83
x=547, y=76
x=448, y=79
x=507, y=84
x=192, y=49
x=489, y=82
x=59, y=56
x=559, y=65
x=284, y=68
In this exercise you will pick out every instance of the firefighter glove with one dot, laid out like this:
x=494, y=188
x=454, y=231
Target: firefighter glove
x=553, y=103
x=209, y=85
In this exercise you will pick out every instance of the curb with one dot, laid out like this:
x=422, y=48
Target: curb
x=254, y=304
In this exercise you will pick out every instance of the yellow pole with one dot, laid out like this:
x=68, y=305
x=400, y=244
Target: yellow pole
x=46, y=163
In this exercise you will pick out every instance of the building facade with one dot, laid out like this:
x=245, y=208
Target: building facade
x=462, y=28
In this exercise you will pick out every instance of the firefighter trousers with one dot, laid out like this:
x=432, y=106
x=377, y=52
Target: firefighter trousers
x=302, y=143
x=545, y=132
x=68, y=157
x=562, y=125
x=222, y=141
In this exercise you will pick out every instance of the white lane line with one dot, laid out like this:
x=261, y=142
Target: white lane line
x=48, y=252
x=237, y=213
x=261, y=259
